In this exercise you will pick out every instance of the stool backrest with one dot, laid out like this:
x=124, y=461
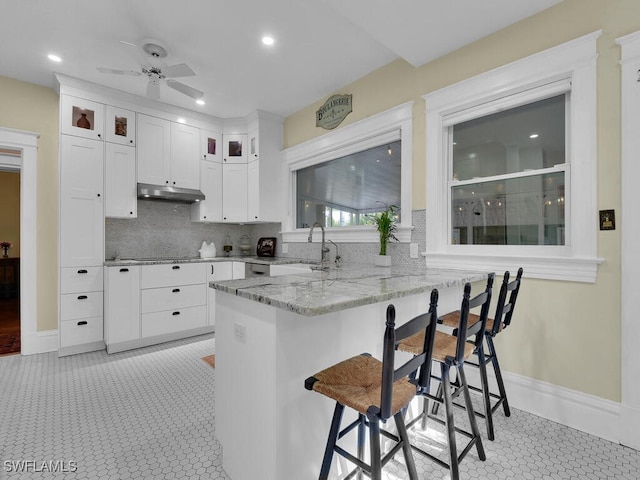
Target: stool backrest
x=504, y=308
x=420, y=364
x=481, y=300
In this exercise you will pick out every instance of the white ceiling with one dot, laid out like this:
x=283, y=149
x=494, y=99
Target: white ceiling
x=320, y=46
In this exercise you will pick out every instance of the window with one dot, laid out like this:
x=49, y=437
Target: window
x=511, y=177
x=342, y=177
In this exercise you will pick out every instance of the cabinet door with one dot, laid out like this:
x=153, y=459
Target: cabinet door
x=253, y=191
x=211, y=146
x=81, y=202
x=238, y=270
x=122, y=304
x=209, y=209
x=234, y=192
x=154, y=138
x=235, y=148
x=220, y=271
x=185, y=156
x=120, y=126
x=120, y=180
x=81, y=118
x=253, y=144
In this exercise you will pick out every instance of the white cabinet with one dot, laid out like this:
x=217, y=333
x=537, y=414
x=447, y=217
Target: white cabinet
x=81, y=118
x=253, y=191
x=235, y=148
x=209, y=209
x=122, y=306
x=81, y=202
x=211, y=146
x=120, y=126
x=120, y=181
x=234, y=192
x=185, y=156
x=219, y=271
x=153, y=150
x=168, y=153
x=238, y=270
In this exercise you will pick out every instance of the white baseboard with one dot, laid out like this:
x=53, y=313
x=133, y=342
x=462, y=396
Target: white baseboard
x=630, y=426
x=584, y=412
x=40, y=342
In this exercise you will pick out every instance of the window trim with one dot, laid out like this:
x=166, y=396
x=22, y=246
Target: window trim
x=393, y=124
x=574, y=61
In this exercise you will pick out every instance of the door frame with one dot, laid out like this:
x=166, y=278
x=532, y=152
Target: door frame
x=27, y=144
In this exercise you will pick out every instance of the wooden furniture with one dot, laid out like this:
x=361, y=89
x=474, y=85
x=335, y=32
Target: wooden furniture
x=10, y=277
x=377, y=390
x=450, y=352
x=504, y=313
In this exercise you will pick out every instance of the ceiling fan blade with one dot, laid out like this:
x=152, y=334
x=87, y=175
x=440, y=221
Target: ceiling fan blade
x=187, y=90
x=153, y=90
x=119, y=72
x=180, y=70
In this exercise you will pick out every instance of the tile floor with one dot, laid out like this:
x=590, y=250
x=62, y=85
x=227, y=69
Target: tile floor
x=149, y=414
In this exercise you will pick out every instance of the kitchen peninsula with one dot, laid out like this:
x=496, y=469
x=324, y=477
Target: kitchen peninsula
x=274, y=332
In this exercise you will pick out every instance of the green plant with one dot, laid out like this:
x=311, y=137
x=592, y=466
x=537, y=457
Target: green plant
x=386, y=224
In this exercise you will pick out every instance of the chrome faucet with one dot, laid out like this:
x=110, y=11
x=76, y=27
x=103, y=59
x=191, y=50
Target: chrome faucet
x=324, y=249
x=338, y=257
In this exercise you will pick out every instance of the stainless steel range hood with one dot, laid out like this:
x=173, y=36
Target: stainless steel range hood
x=173, y=194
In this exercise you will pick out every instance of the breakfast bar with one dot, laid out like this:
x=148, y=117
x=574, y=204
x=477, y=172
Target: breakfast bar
x=273, y=332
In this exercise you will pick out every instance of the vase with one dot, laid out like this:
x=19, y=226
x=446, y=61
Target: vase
x=83, y=122
x=383, y=261
x=5, y=252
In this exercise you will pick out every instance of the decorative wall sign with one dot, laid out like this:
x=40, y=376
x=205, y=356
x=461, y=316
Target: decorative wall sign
x=607, y=220
x=334, y=111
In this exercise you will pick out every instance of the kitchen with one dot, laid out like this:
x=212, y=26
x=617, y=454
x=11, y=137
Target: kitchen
x=599, y=382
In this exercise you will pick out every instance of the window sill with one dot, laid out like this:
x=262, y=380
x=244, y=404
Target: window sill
x=550, y=268
x=346, y=234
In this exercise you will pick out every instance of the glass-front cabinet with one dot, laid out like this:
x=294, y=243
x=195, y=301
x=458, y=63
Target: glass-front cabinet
x=82, y=118
x=120, y=126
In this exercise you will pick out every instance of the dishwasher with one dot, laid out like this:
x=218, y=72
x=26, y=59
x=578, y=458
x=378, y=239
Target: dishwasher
x=256, y=270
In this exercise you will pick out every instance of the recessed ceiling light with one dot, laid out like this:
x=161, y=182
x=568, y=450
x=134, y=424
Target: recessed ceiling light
x=200, y=101
x=54, y=58
x=268, y=40
x=181, y=120
x=534, y=135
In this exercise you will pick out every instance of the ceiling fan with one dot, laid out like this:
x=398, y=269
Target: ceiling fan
x=155, y=69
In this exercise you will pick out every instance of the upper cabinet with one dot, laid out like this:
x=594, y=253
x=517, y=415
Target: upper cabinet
x=235, y=148
x=81, y=118
x=168, y=153
x=121, y=200
x=120, y=126
x=211, y=146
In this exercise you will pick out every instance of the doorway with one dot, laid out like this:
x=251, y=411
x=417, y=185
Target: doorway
x=9, y=256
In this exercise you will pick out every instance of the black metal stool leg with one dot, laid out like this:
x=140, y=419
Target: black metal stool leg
x=486, y=399
x=331, y=441
x=496, y=369
x=406, y=446
x=472, y=415
x=451, y=431
x=374, y=444
x=361, y=441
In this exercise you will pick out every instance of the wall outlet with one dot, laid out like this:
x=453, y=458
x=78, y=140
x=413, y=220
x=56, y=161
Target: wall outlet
x=285, y=248
x=240, y=331
x=413, y=250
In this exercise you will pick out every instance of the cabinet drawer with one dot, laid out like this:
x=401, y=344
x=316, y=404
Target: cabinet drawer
x=80, y=305
x=220, y=271
x=80, y=279
x=171, y=298
x=80, y=331
x=170, y=321
x=166, y=275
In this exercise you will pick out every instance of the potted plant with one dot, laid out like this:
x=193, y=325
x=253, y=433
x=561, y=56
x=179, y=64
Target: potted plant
x=386, y=225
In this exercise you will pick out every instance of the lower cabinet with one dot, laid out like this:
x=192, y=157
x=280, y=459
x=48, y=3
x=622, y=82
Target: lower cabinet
x=122, y=306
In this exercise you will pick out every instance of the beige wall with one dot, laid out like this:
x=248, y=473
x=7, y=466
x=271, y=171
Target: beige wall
x=564, y=333
x=24, y=106
x=10, y=216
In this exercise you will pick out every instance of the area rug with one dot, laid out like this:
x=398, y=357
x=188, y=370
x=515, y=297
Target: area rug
x=9, y=344
x=211, y=360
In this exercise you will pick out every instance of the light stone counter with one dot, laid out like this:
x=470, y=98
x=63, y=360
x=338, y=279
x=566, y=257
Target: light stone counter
x=159, y=261
x=321, y=292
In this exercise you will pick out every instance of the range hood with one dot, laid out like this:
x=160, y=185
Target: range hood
x=173, y=194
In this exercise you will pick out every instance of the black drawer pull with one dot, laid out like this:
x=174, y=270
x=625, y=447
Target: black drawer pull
x=211, y=269
x=175, y=313
x=176, y=267
x=175, y=290
x=124, y=270
x=82, y=271
x=83, y=322
x=82, y=297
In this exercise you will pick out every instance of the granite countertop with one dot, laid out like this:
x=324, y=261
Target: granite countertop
x=321, y=292
x=247, y=258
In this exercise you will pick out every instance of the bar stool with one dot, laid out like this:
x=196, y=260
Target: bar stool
x=451, y=352
x=377, y=390
x=504, y=312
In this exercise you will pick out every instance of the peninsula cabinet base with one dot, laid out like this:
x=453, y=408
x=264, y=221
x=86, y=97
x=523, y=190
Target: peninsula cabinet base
x=155, y=340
